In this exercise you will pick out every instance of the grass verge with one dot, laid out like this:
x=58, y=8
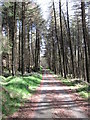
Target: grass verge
x=16, y=90
x=79, y=86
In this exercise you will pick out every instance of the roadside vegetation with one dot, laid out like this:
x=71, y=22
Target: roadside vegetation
x=16, y=90
x=79, y=86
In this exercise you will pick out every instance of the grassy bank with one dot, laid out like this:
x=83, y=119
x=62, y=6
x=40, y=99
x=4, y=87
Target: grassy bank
x=15, y=90
x=79, y=86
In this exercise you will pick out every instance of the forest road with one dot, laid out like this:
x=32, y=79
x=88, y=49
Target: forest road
x=52, y=100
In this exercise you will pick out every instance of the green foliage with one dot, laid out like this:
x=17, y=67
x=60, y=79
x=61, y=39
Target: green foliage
x=84, y=91
x=81, y=87
x=15, y=90
x=41, y=68
x=84, y=94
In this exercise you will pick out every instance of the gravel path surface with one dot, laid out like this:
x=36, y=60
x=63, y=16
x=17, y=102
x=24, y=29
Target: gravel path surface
x=52, y=100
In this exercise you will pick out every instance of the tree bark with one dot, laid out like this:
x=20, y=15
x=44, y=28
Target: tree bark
x=29, y=49
x=62, y=44
x=0, y=47
x=32, y=51
x=54, y=56
x=23, y=17
x=37, y=48
x=0, y=57
x=19, y=49
x=59, y=52
x=13, y=38
x=69, y=38
x=85, y=37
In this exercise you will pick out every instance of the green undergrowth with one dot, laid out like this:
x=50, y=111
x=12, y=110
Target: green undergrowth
x=15, y=90
x=41, y=68
x=79, y=86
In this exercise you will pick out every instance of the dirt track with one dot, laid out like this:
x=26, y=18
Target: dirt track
x=52, y=100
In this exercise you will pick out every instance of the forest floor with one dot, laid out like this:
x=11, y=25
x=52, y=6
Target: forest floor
x=53, y=100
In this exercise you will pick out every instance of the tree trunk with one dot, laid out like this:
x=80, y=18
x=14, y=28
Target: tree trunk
x=85, y=37
x=59, y=52
x=54, y=56
x=13, y=38
x=78, y=66
x=29, y=49
x=19, y=49
x=32, y=51
x=0, y=46
x=23, y=17
x=62, y=44
x=0, y=55
x=38, y=52
x=69, y=38
x=37, y=45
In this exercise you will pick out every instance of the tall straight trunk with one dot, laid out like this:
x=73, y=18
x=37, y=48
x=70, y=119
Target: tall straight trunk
x=0, y=46
x=19, y=49
x=13, y=38
x=29, y=48
x=62, y=44
x=56, y=35
x=23, y=17
x=49, y=61
x=74, y=42
x=49, y=58
x=69, y=38
x=36, y=50
x=83, y=63
x=32, y=51
x=88, y=33
x=78, y=49
x=8, y=53
x=85, y=37
x=66, y=50
x=54, y=56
